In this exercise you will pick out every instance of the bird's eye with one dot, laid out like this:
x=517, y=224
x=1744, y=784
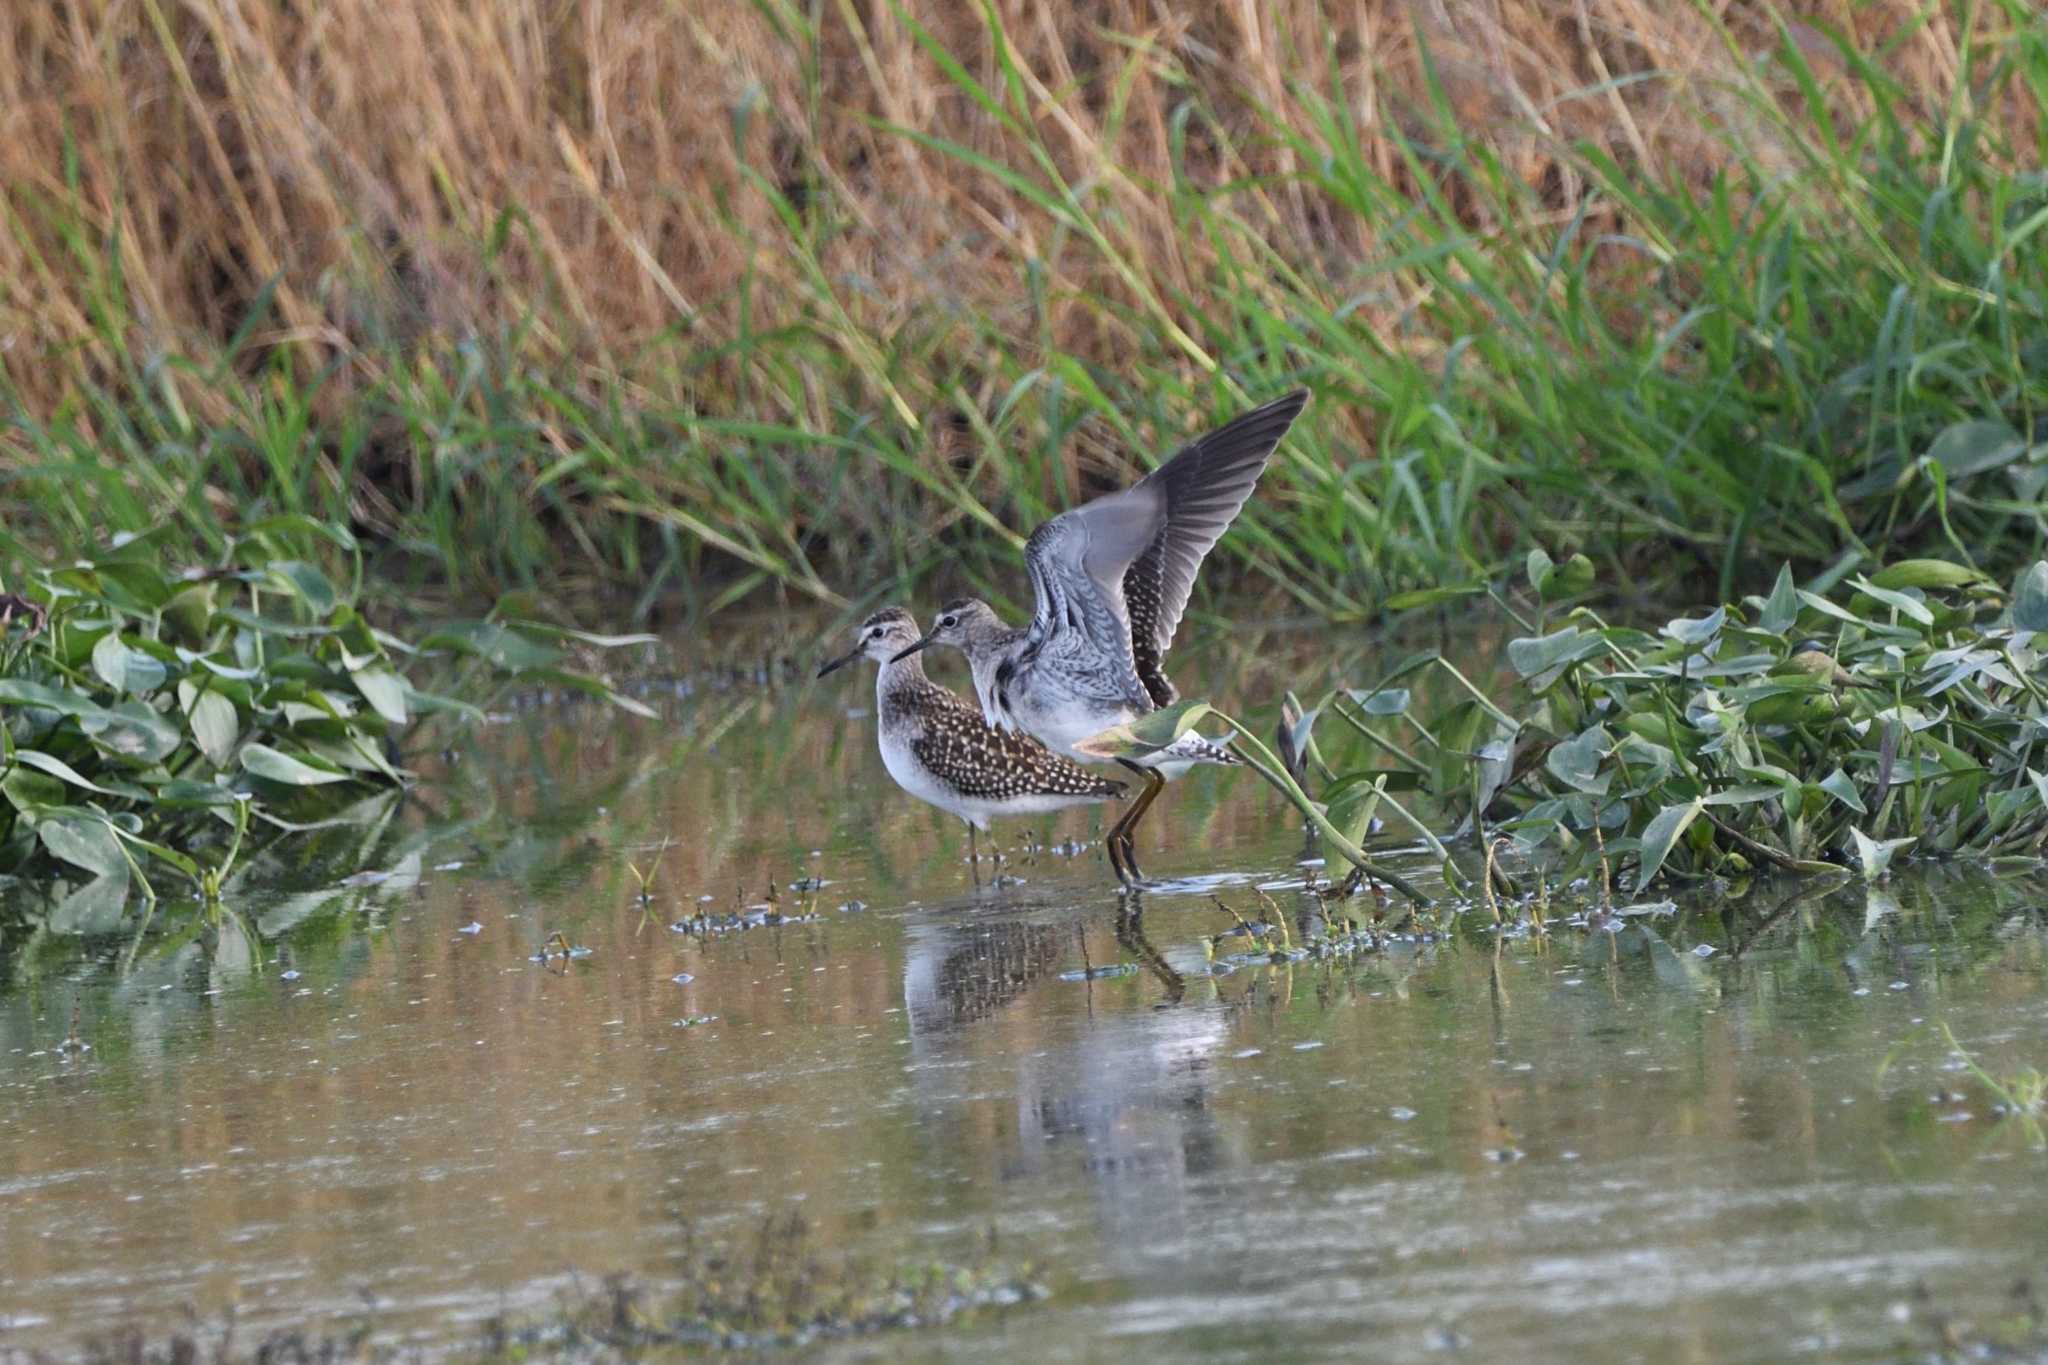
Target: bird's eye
x=950, y=621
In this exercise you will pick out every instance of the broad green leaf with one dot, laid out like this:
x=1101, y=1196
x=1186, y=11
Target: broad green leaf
x=1568, y=579
x=1576, y=762
x=133, y=730
x=2030, y=598
x=1388, y=701
x=58, y=768
x=1924, y=574
x=1912, y=607
x=384, y=690
x=1746, y=795
x=1781, y=608
x=1659, y=836
x=306, y=583
x=1838, y=785
x=125, y=669
x=1539, y=566
x=1543, y=659
x=215, y=726
x=264, y=761
x=83, y=841
x=1875, y=855
x=1697, y=631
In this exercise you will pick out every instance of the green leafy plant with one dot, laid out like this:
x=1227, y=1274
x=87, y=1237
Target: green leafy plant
x=1801, y=731
x=151, y=715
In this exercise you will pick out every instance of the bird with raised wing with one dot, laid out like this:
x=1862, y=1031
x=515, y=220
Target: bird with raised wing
x=941, y=750
x=1111, y=580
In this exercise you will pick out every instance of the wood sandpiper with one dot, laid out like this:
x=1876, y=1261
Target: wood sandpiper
x=941, y=750
x=1111, y=579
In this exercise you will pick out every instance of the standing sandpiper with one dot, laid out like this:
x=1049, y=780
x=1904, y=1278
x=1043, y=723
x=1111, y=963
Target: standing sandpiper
x=940, y=750
x=1111, y=579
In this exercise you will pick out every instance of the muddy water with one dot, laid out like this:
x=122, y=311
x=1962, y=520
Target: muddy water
x=355, y=1098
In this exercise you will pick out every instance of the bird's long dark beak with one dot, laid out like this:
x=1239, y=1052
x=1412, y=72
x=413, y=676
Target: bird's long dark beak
x=908, y=650
x=834, y=665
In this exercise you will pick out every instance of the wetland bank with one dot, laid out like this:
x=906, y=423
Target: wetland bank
x=1732, y=1129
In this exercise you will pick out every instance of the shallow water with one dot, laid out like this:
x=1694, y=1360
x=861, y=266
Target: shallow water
x=359, y=1099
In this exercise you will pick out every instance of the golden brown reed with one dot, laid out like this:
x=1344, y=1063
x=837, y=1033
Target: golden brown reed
x=360, y=152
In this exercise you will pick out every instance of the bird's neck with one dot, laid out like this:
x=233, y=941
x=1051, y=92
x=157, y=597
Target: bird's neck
x=900, y=675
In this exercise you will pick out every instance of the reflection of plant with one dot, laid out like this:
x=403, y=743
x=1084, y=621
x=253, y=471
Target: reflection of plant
x=151, y=715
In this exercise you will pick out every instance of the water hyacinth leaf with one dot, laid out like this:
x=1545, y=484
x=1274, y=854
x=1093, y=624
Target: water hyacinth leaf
x=263, y=761
x=1697, y=630
x=1542, y=660
x=1388, y=701
x=1660, y=834
x=125, y=669
x=58, y=768
x=1838, y=785
x=83, y=841
x=2030, y=598
x=1576, y=762
x=306, y=583
x=215, y=726
x=384, y=690
x=133, y=730
x=1911, y=607
x=1875, y=855
x=1966, y=448
x=1569, y=579
x=1147, y=734
x=1747, y=795
x=1781, y=608
x=1925, y=574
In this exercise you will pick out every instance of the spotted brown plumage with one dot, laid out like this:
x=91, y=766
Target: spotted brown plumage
x=939, y=748
x=963, y=751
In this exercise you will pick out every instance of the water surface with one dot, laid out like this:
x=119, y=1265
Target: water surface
x=1728, y=1133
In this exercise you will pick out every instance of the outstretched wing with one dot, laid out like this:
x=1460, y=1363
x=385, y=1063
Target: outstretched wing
x=1203, y=487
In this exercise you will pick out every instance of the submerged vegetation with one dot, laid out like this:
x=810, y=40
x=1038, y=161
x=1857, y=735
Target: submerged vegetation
x=148, y=717
x=698, y=300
